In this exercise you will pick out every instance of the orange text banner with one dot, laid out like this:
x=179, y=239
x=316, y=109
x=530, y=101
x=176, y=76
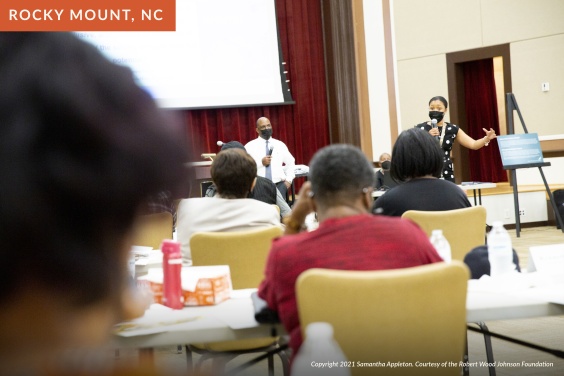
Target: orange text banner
x=87, y=15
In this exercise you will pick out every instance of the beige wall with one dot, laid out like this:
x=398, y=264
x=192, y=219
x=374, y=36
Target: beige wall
x=425, y=32
x=533, y=62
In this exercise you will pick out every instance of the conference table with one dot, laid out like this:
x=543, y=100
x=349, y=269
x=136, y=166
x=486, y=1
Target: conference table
x=524, y=297
x=477, y=186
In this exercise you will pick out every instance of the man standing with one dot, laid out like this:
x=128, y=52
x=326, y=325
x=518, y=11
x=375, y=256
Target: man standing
x=272, y=156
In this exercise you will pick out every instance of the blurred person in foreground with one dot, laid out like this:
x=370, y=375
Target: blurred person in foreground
x=348, y=237
x=418, y=162
x=81, y=148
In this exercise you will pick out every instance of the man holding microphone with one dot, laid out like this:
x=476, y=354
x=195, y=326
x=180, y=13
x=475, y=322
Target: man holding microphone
x=274, y=160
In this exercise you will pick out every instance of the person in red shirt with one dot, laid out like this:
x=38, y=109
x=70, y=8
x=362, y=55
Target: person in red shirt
x=349, y=237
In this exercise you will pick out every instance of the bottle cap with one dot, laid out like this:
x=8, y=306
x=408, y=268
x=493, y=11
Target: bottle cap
x=437, y=232
x=319, y=330
x=170, y=246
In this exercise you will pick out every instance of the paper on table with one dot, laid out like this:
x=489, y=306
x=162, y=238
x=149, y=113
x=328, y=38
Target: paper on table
x=152, y=257
x=157, y=319
x=537, y=286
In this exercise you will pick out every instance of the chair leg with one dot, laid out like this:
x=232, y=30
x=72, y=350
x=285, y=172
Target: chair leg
x=466, y=358
x=271, y=365
x=285, y=362
x=489, y=349
x=189, y=359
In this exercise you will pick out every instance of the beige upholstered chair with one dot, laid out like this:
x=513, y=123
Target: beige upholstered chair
x=410, y=315
x=463, y=228
x=245, y=252
x=151, y=229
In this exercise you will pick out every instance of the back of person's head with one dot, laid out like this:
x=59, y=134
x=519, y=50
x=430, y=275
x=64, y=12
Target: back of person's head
x=416, y=154
x=81, y=147
x=232, y=145
x=339, y=173
x=233, y=172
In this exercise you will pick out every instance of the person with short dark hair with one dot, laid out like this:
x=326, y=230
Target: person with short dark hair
x=233, y=172
x=418, y=162
x=384, y=180
x=81, y=148
x=348, y=236
x=447, y=133
x=263, y=189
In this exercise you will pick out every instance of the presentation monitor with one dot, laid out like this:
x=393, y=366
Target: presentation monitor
x=520, y=151
x=224, y=53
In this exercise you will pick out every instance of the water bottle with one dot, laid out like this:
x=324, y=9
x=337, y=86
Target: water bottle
x=441, y=245
x=320, y=348
x=500, y=250
x=172, y=266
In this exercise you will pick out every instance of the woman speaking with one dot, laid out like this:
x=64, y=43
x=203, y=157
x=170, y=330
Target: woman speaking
x=446, y=133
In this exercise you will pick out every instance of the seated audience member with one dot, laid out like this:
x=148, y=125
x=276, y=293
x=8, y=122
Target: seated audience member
x=233, y=172
x=81, y=147
x=384, y=180
x=263, y=189
x=418, y=161
x=349, y=237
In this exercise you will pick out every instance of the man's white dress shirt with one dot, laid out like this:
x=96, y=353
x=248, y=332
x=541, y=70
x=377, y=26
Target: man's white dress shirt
x=282, y=163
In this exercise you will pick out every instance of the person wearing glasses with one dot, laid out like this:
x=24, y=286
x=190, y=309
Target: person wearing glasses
x=348, y=236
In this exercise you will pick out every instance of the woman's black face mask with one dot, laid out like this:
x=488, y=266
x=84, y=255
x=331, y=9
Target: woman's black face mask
x=438, y=115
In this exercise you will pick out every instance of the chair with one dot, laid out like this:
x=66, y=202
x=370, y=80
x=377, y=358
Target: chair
x=411, y=315
x=245, y=252
x=463, y=228
x=151, y=229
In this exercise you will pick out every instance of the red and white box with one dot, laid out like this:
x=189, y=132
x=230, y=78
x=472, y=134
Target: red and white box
x=201, y=285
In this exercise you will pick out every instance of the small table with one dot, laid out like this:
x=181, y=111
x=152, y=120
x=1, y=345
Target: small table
x=477, y=186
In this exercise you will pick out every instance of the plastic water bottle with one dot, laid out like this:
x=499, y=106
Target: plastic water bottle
x=320, y=348
x=441, y=245
x=172, y=266
x=500, y=250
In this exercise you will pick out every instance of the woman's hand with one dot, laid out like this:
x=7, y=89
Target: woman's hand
x=490, y=134
x=434, y=132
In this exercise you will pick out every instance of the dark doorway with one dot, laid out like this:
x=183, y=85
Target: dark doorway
x=459, y=111
x=480, y=101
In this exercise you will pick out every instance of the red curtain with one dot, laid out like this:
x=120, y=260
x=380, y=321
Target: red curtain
x=302, y=126
x=481, y=112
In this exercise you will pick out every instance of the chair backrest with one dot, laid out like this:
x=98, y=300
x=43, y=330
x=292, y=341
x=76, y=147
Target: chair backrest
x=463, y=228
x=151, y=229
x=401, y=315
x=244, y=251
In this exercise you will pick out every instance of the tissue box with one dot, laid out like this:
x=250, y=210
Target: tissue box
x=201, y=285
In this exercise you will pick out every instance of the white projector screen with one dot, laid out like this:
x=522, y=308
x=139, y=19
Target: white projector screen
x=224, y=53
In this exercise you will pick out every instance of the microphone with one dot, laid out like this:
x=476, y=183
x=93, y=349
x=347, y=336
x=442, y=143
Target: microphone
x=434, y=125
x=219, y=143
x=270, y=149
